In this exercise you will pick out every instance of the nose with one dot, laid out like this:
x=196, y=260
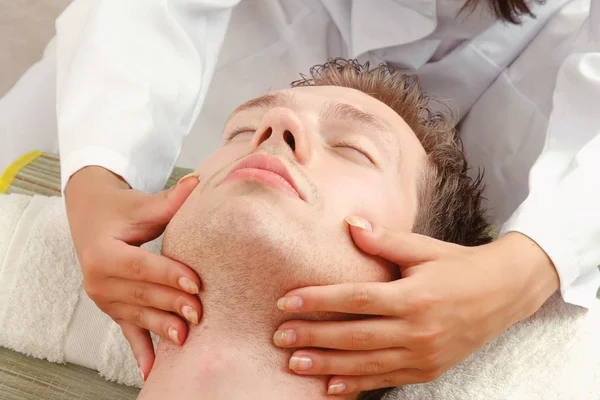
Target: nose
x=282, y=127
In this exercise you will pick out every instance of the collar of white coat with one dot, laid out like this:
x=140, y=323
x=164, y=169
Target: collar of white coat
x=372, y=28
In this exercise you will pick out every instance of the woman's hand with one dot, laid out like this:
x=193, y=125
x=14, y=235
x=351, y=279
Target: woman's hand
x=139, y=290
x=450, y=301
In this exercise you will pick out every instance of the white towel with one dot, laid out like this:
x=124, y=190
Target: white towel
x=553, y=355
x=39, y=282
x=44, y=312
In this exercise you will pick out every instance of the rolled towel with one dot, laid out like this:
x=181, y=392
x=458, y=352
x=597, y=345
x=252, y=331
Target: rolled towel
x=39, y=278
x=44, y=312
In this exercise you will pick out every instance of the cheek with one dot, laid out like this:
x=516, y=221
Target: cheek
x=220, y=159
x=374, y=198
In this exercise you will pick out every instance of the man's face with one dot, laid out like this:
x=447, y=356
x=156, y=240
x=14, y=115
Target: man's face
x=294, y=163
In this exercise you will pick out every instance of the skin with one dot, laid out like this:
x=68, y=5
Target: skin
x=252, y=242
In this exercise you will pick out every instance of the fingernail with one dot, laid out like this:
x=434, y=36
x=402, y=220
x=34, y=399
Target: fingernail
x=194, y=174
x=188, y=285
x=142, y=375
x=300, y=363
x=190, y=314
x=284, y=338
x=173, y=335
x=359, y=222
x=292, y=303
x=337, y=388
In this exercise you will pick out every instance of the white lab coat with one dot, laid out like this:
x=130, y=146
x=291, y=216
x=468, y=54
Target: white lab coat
x=134, y=76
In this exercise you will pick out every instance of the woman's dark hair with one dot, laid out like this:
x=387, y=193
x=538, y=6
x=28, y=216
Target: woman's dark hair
x=505, y=10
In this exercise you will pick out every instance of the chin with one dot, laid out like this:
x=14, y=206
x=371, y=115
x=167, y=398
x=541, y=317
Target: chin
x=238, y=219
x=292, y=241
x=258, y=208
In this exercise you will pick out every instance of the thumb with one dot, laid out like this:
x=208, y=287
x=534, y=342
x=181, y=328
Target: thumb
x=162, y=206
x=404, y=249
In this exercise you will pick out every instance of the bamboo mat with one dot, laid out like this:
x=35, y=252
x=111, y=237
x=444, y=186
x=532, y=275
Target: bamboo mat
x=28, y=378
x=39, y=173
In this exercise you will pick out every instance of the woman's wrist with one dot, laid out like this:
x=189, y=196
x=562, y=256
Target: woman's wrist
x=532, y=269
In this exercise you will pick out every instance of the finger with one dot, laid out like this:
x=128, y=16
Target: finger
x=353, y=384
x=159, y=208
x=137, y=264
x=402, y=248
x=315, y=362
x=156, y=296
x=162, y=323
x=366, y=334
x=141, y=344
x=374, y=298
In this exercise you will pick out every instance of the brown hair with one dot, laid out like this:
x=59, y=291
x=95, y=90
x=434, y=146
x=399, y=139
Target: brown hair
x=505, y=10
x=449, y=206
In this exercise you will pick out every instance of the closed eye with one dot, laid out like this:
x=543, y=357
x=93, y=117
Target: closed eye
x=240, y=130
x=355, y=150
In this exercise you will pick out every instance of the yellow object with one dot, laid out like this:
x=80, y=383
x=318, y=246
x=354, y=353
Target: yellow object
x=13, y=169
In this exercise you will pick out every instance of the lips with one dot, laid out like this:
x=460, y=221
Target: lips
x=266, y=168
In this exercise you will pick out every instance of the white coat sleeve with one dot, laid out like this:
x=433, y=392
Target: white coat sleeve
x=562, y=211
x=131, y=78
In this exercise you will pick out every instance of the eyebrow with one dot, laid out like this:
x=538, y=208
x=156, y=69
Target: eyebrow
x=347, y=112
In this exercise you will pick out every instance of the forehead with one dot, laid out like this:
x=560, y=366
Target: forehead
x=314, y=98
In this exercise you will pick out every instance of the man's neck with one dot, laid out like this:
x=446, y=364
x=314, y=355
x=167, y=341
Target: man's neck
x=213, y=367
x=230, y=354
